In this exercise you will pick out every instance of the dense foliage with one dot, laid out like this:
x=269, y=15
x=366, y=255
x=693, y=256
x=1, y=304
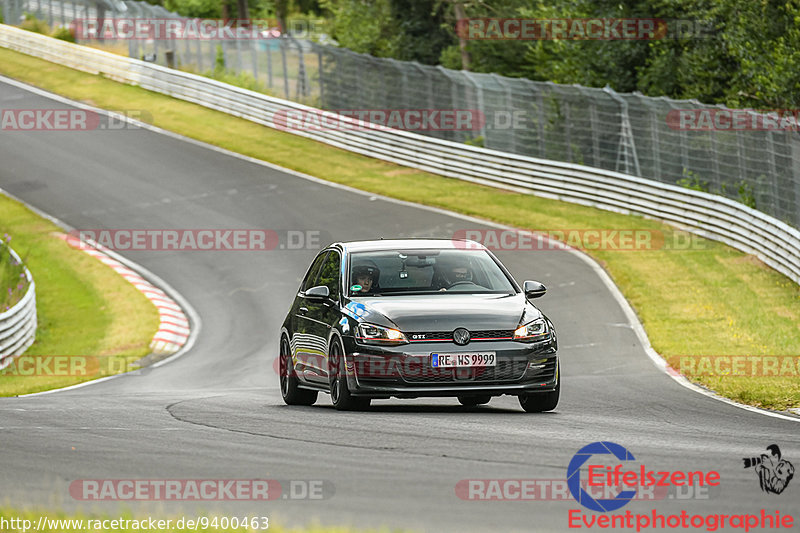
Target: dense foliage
x=751, y=56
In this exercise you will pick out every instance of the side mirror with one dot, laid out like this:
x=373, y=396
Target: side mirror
x=318, y=293
x=533, y=289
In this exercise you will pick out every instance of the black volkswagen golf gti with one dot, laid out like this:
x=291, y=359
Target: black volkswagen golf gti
x=415, y=318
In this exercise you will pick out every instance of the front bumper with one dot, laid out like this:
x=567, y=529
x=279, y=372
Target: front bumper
x=406, y=372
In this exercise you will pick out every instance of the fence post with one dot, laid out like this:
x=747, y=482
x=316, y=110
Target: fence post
x=199, y=50
x=321, y=79
x=469, y=76
x=627, y=148
x=254, y=58
x=269, y=62
x=238, y=52
x=285, y=72
x=302, y=82
x=794, y=146
x=773, y=174
x=656, y=146
x=593, y=124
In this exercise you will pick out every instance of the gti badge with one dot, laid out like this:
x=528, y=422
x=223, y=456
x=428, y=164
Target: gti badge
x=461, y=336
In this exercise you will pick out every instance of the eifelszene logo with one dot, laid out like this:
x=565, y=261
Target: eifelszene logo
x=774, y=472
x=574, y=477
x=624, y=479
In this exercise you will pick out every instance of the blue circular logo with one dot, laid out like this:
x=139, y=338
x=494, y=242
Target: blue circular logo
x=574, y=477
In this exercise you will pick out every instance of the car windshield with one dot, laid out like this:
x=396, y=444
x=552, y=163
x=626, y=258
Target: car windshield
x=403, y=272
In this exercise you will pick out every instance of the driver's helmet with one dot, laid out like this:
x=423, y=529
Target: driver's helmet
x=455, y=272
x=365, y=269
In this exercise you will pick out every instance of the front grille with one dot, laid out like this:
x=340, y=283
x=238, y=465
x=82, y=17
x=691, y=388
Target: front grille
x=484, y=334
x=505, y=371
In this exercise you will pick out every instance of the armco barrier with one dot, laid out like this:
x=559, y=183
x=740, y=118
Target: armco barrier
x=774, y=242
x=18, y=324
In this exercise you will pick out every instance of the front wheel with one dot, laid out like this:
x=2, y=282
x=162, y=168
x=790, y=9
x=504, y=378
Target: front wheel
x=540, y=402
x=340, y=393
x=291, y=392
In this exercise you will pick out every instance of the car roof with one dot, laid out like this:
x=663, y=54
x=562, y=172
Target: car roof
x=408, y=244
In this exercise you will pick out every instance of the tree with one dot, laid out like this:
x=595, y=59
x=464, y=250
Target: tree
x=363, y=26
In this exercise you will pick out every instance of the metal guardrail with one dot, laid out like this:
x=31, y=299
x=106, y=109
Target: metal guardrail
x=775, y=243
x=18, y=324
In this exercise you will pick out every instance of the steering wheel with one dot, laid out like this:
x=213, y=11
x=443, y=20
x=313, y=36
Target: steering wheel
x=457, y=283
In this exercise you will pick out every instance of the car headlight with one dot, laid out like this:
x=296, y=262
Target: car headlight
x=532, y=331
x=372, y=334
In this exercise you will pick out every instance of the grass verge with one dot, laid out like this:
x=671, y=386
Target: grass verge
x=85, y=310
x=706, y=300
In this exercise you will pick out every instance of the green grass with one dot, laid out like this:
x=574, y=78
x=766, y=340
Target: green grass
x=711, y=299
x=13, y=520
x=84, y=308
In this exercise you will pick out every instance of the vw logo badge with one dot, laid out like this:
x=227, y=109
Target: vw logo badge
x=461, y=336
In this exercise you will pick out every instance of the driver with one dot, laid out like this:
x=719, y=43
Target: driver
x=454, y=273
x=458, y=273
x=366, y=276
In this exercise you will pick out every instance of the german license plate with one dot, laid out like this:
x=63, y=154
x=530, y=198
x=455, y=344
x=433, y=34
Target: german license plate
x=458, y=360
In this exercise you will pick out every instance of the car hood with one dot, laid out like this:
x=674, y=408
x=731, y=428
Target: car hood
x=445, y=312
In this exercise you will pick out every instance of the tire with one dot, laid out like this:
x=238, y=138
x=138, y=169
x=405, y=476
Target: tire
x=540, y=402
x=291, y=392
x=340, y=393
x=473, y=401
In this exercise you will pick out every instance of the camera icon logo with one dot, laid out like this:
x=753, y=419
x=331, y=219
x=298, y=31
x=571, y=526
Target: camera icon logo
x=774, y=473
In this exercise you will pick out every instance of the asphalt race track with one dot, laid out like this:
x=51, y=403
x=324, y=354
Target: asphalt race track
x=216, y=412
